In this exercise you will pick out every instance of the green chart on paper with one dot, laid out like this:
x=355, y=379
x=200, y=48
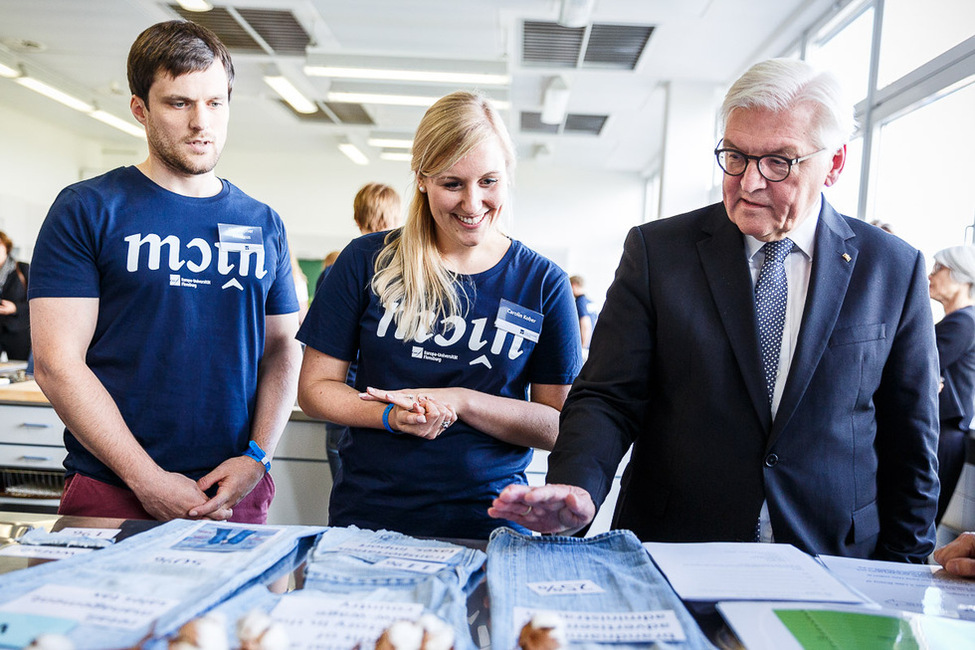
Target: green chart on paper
x=826, y=630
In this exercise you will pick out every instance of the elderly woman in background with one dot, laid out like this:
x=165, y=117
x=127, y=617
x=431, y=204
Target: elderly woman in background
x=468, y=342
x=951, y=283
x=14, y=317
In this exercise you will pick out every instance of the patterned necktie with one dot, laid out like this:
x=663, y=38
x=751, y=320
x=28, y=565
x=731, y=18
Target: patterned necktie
x=771, y=293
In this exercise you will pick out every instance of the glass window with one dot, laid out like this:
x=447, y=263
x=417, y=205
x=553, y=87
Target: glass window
x=847, y=54
x=924, y=173
x=915, y=32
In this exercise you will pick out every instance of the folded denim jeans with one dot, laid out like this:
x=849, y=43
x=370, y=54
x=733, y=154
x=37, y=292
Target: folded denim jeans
x=149, y=584
x=605, y=589
x=387, y=565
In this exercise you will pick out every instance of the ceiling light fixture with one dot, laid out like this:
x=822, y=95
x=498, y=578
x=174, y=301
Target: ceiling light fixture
x=576, y=13
x=556, y=101
x=53, y=93
x=396, y=156
x=390, y=142
x=118, y=123
x=454, y=72
x=79, y=105
x=289, y=93
x=458, y=78
x=8, y=72
x=195, y=5
x=397, y=100
x=377, y=98
x=353, y=152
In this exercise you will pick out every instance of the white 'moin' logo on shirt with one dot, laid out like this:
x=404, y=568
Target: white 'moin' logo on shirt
x=196, y=255
x=457, y=330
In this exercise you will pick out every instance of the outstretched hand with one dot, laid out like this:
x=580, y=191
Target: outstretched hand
x=561, y=509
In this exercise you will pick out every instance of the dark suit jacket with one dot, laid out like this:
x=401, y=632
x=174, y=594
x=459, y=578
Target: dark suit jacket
x=849, y=465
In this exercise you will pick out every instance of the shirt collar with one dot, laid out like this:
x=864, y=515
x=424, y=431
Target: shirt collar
x=803, y=236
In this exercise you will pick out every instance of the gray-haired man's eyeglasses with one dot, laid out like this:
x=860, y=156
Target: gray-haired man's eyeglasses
x=772, y=167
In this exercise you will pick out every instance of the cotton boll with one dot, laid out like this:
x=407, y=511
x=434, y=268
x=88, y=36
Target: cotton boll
x=257, y=631
x=204, y=633
x=51, y=642
x=252, y=625
x=274, y=638
x=437, y=635
x=545, y=631
x=401, y=635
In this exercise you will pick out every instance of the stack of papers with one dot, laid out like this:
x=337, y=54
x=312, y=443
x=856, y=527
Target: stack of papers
x=776, y=596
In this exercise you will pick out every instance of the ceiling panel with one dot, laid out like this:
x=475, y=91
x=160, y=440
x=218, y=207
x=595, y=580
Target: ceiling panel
x=85, y=43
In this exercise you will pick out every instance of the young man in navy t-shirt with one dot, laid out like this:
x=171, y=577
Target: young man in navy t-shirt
x=164, y=312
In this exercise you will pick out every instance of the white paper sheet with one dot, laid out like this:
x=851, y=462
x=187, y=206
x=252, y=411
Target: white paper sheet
x=94, y=533
x=92, y=606
x=716, y=571
x=920, y=588
x=43, y=552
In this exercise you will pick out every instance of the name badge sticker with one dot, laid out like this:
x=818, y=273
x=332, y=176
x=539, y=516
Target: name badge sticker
x=519, y=320
x=242, y=237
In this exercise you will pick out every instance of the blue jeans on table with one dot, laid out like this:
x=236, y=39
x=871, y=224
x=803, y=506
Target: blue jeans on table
x=398, y=568
x=547, y=573
x=183, y=567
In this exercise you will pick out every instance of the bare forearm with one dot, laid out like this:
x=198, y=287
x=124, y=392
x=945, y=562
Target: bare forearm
x=277, y=387
x=530, y=424
x=90, y=413
x=339, y=403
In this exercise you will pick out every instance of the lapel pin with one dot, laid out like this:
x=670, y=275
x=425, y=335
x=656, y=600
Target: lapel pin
x=846, y=257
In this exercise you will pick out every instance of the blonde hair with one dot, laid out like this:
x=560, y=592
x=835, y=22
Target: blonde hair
x=376, y=207
x=410, y=272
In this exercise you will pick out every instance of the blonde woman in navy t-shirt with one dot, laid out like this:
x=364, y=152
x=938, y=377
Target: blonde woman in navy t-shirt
x=467, y=342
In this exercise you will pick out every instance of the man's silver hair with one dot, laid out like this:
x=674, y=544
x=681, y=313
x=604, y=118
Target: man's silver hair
x=784, y=84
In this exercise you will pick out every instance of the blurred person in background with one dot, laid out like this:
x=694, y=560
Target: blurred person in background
x=376, y=208
x=14, y=316
x=301, y=285
x=587, y=318
x=327, y=263
x=951, y=283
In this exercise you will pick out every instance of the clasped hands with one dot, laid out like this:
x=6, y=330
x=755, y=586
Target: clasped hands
x=415, y=412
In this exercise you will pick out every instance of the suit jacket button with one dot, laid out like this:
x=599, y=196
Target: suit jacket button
x=771, y=460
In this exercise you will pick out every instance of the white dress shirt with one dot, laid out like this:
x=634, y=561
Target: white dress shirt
x=798, y=270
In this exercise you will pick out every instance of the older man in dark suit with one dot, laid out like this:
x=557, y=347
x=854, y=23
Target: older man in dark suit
x=771, y=361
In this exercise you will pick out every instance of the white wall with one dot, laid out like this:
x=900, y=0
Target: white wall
x=576, y=217
x=37, y=160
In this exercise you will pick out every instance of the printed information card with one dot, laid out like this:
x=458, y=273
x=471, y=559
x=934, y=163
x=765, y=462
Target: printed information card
x=317, y=622
x=612, y=627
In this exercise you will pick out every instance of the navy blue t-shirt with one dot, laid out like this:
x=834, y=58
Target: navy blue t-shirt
x=181, y=309
x=440, y=487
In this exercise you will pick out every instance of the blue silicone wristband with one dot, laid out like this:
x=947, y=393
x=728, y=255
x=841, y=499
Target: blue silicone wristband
x=389, y=407
x=254, y=451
